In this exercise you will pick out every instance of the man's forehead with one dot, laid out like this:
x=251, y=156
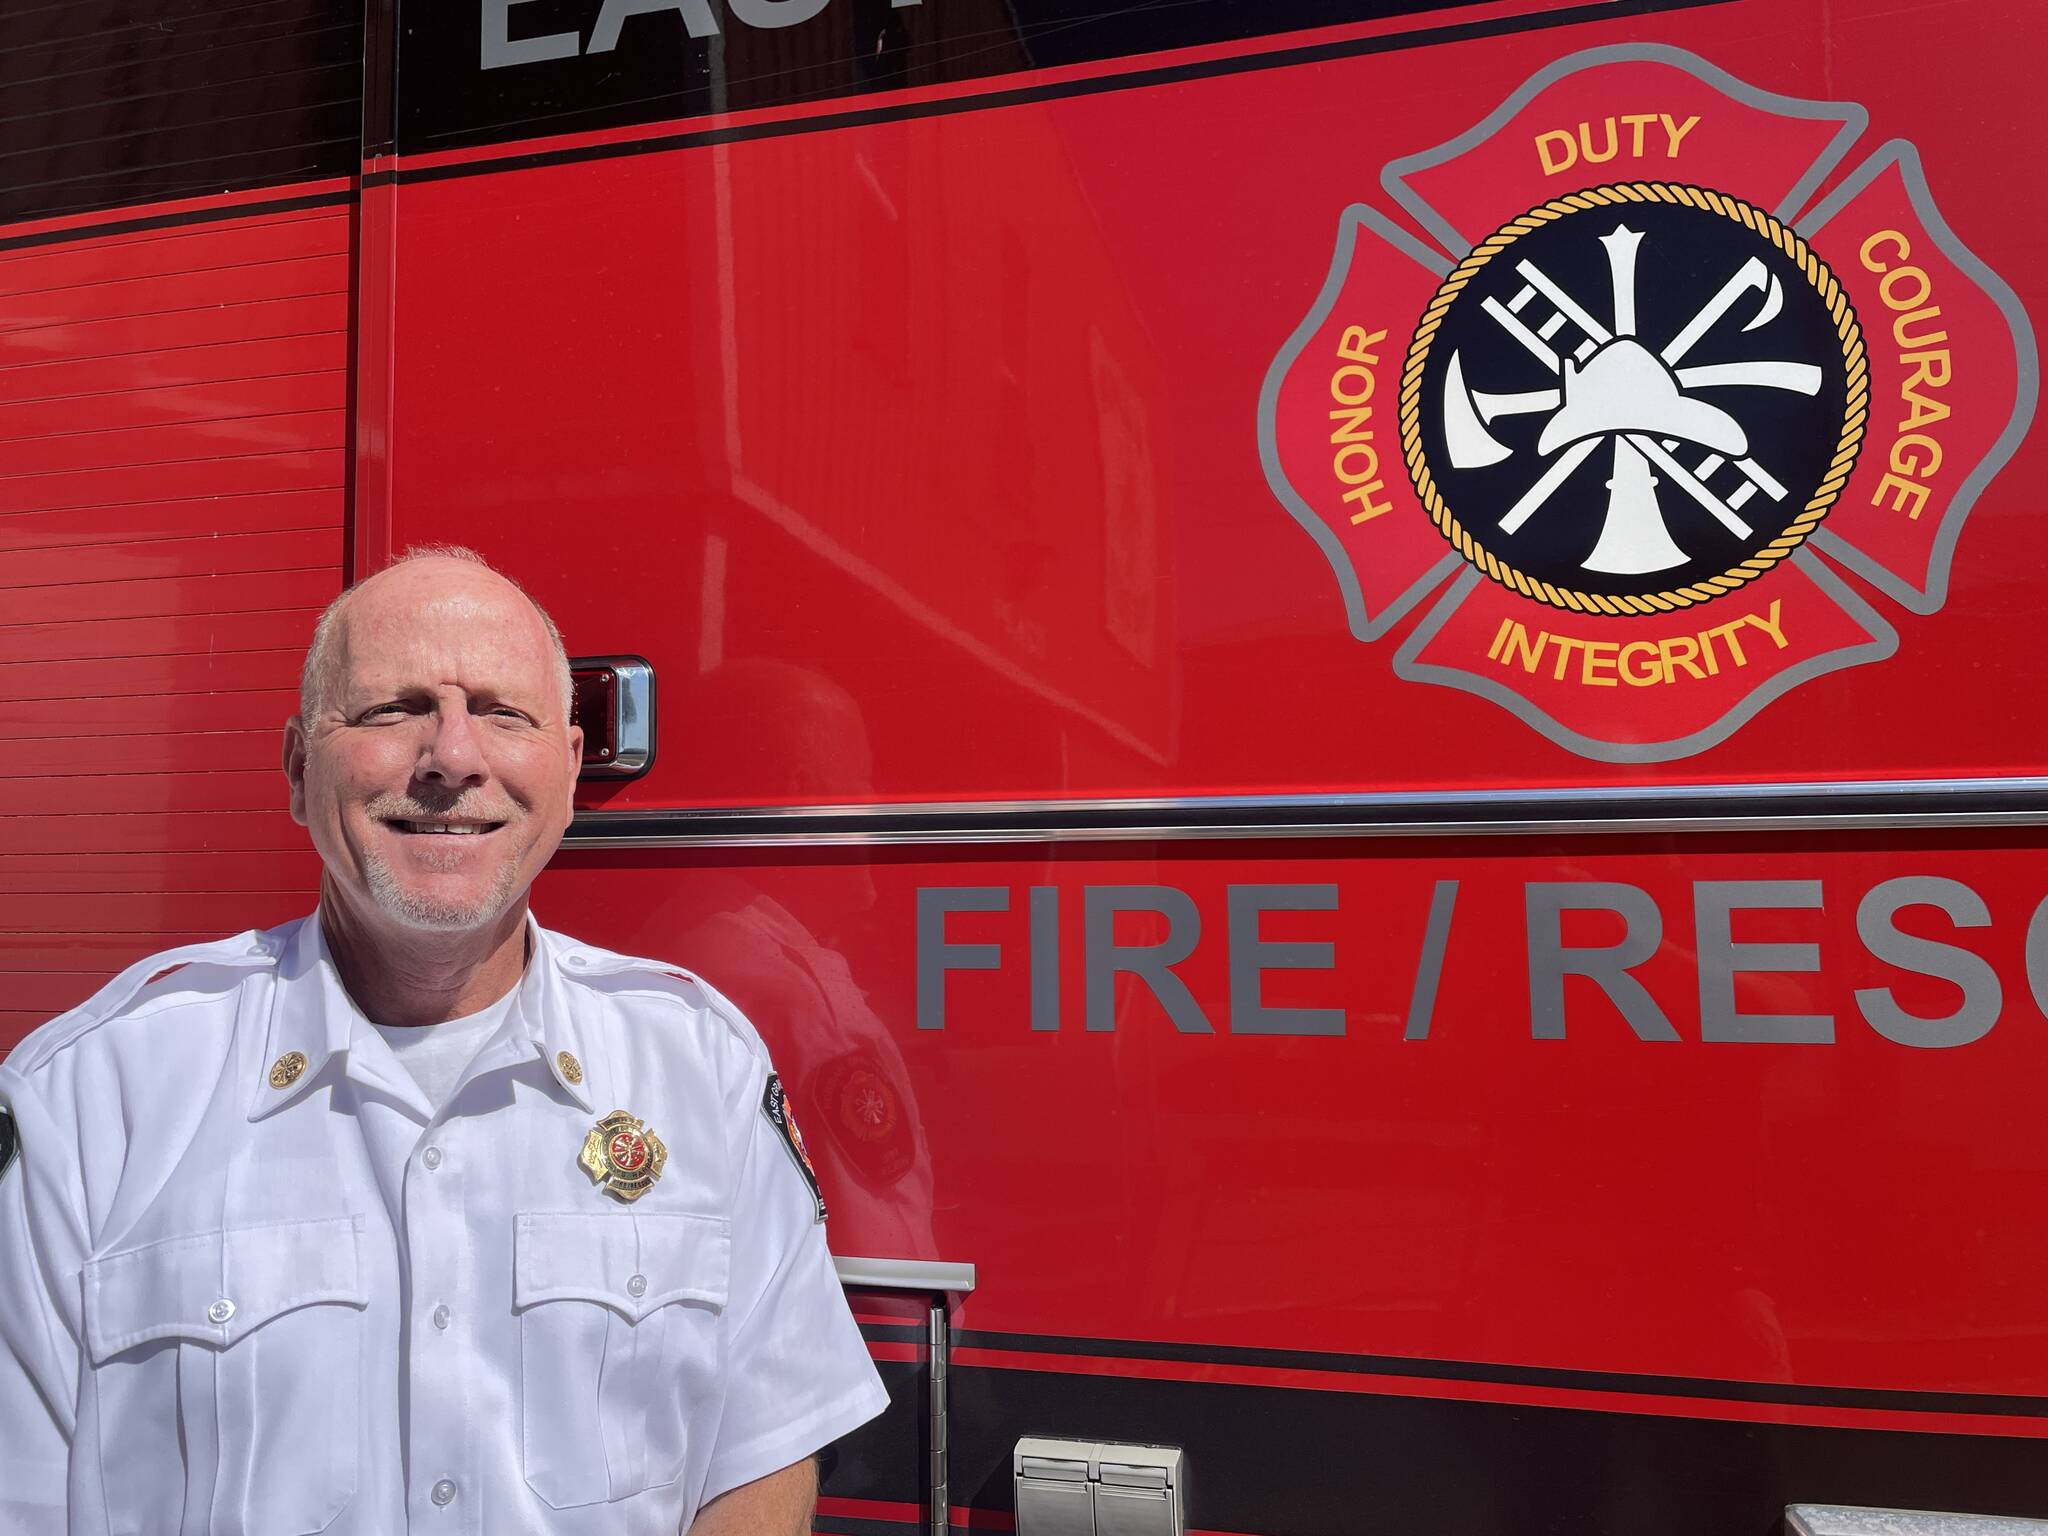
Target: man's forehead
x=473, y=631
x=480, y=669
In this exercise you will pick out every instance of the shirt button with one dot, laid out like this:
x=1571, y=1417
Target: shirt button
x=637, y=1286
x=432, y=1158
x=444, y=1492
x=220, y=1311
x=441, y=1316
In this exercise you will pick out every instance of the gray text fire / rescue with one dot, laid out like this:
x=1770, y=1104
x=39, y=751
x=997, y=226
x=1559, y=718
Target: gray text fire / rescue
x=1720, y=958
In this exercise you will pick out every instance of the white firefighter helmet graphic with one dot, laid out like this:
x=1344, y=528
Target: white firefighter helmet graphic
x=1610, y=421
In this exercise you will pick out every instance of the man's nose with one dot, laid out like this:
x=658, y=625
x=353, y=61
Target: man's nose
x=453, y=753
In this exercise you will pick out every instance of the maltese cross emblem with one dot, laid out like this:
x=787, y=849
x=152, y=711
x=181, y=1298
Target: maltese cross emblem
x=622, y=1156
x=1636, y=420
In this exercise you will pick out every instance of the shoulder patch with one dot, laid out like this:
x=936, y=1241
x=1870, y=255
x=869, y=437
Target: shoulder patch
x=775, y=1105
x=10, y=1142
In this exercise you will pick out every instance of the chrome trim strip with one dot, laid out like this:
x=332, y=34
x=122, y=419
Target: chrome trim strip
x=905, y=1274
x=1842, y=806
x=1850, y=1520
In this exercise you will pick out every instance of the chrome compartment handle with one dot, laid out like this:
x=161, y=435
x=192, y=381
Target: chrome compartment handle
x=1854, y=1520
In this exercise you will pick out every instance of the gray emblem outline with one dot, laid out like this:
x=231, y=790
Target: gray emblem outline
x=2026, y=365
x=1852, y=116
x=1363, y=624
x=1822, y=548
x=1883, y=642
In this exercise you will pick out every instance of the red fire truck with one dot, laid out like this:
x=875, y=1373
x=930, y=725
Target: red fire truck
x=1353, y=686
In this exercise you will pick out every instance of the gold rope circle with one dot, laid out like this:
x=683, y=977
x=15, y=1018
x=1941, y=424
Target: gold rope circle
x=1855, y=412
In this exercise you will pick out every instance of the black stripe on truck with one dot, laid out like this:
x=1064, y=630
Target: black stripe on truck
x=109, y=103
x=1891, y=1399
x=885, y=1457
x=655, y=70
x=1274, y=1461
x=851, y=1525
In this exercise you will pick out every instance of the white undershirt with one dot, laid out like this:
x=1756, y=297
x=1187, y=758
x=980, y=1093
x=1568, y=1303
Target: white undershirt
x=438, y=1054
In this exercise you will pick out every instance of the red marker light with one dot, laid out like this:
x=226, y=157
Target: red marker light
x=612, y=698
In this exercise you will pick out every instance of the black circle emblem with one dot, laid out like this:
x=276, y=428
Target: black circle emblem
x=1634, y=398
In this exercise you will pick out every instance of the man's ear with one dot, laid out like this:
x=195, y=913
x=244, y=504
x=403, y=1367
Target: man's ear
x=295, y=767
x=575, y=767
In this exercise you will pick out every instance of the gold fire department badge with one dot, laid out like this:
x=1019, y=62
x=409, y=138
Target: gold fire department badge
x=622, y=1156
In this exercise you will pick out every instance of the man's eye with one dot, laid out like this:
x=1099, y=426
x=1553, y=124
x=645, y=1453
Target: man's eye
x=383, y=709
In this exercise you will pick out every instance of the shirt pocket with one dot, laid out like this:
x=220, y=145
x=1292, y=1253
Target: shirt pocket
x=618, y=1347
x=226, y=1370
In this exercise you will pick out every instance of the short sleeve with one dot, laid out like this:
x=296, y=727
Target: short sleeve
x=41, y=1248
x=798, y=1374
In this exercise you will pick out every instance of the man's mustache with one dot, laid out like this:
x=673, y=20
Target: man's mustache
x=456, y=807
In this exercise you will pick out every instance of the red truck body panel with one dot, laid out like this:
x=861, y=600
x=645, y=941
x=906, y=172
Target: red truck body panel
x=961, y=408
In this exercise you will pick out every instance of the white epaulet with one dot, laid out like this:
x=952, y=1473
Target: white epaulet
x=254, y=949
x=629, y=973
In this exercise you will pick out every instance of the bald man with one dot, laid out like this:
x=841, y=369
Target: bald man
x=411, y=1214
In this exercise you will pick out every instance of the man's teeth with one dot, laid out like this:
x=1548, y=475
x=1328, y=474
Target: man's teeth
x=443, y=827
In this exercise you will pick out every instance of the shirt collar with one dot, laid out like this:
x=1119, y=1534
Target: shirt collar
x=547, y=1025
x=313, y=1020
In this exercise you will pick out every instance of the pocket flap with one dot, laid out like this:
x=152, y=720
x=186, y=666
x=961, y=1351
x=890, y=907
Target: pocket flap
x=216, y=1287
x=631, y=1262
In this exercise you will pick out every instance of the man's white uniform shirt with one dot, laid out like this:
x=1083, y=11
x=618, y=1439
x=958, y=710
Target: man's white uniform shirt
x=235, y=1298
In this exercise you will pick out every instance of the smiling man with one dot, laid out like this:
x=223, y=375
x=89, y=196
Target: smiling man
x=413, y=1215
